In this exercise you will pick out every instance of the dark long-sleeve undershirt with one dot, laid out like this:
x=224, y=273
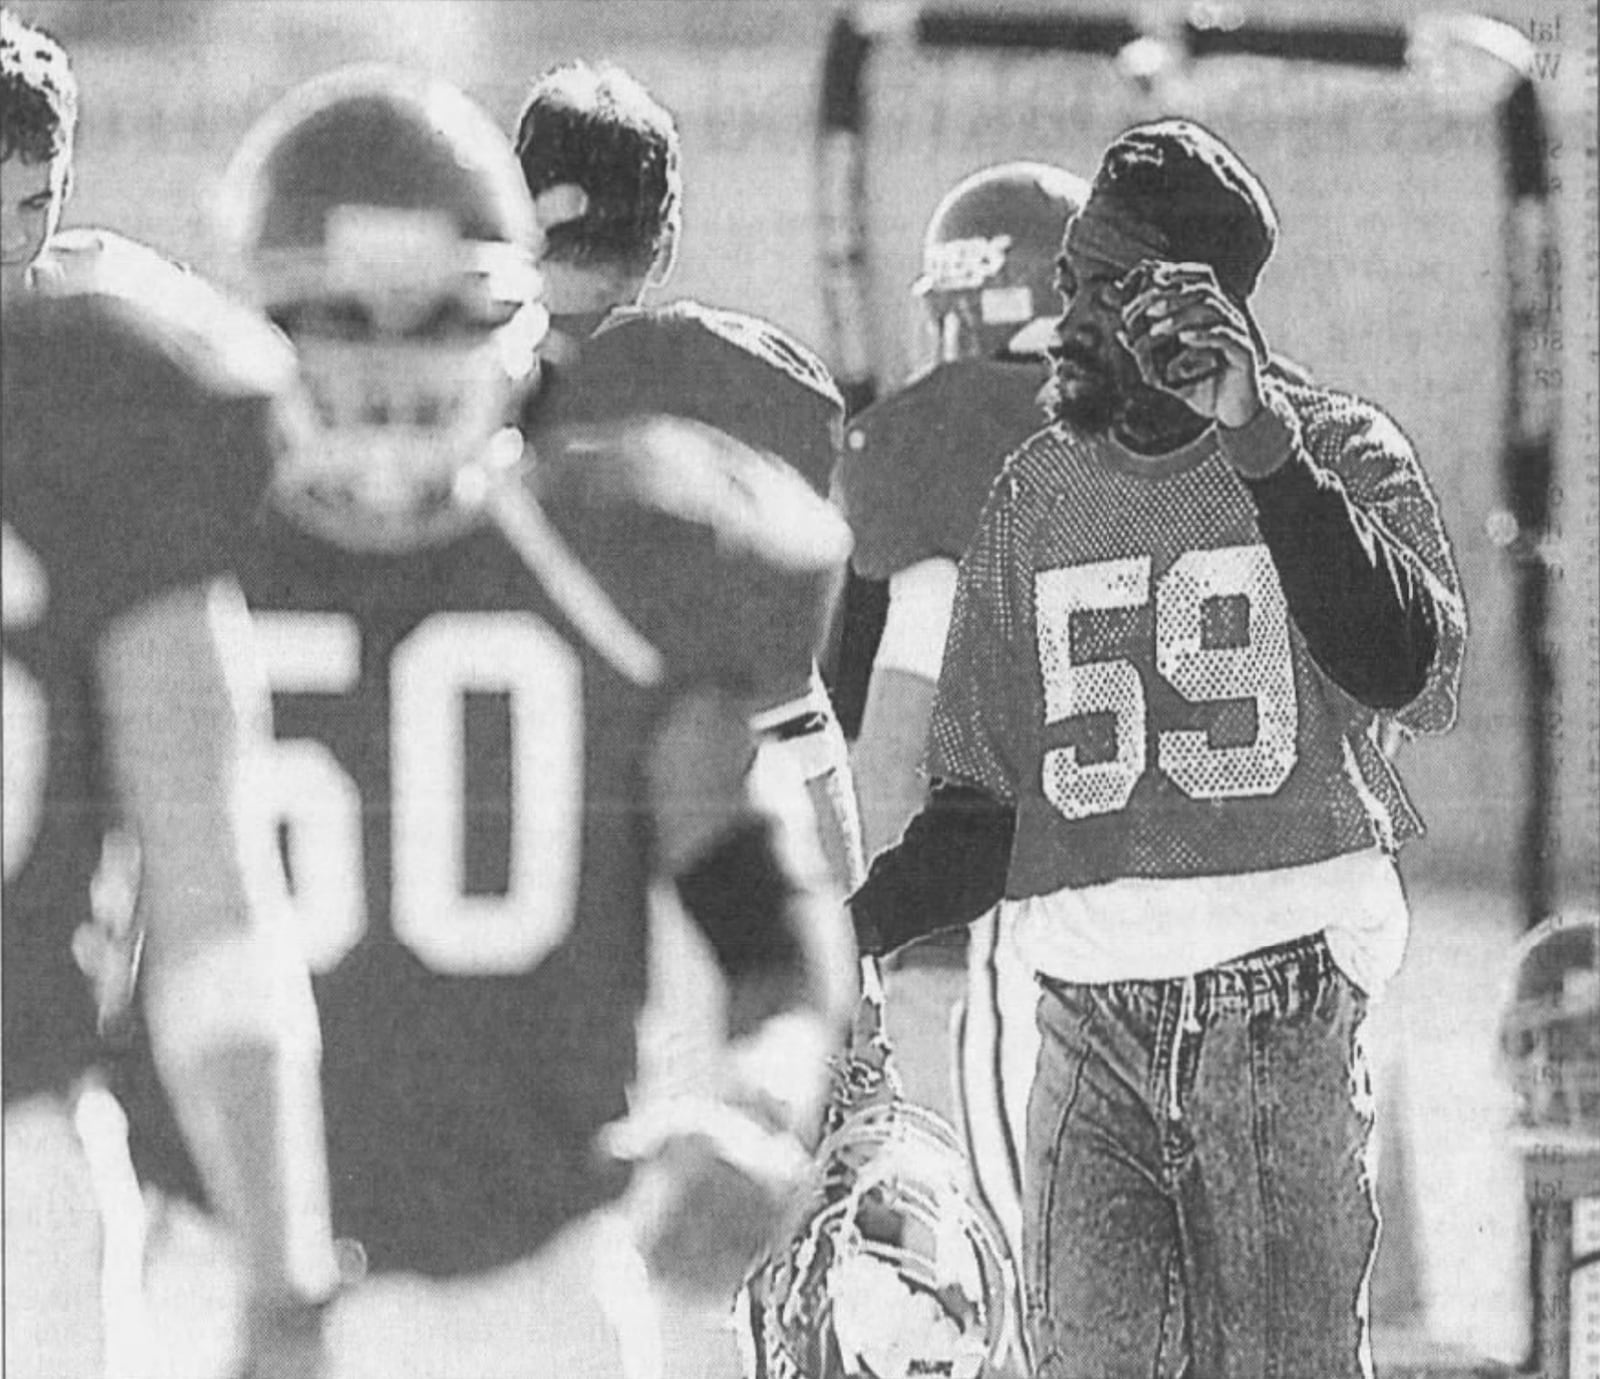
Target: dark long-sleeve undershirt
x=1368, y=614
x=948, y=868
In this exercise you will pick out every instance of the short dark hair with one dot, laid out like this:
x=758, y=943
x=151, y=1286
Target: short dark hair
x=1181, y=179
x=38, y=93
x=598, y=128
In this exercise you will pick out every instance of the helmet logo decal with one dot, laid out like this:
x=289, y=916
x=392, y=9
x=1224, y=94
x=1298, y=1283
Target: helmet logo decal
x=1004, y=306
x=959, y=265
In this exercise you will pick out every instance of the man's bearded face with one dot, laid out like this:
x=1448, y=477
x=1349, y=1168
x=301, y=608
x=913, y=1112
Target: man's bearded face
x=1095, y=383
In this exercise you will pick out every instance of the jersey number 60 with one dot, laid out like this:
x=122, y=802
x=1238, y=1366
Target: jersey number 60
x=432, y=669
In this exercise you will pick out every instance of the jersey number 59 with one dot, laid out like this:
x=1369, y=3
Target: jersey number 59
x=1256, y=667
x=319, y=806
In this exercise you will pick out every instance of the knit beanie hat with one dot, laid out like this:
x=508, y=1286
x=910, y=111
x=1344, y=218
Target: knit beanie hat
x=1184, y=183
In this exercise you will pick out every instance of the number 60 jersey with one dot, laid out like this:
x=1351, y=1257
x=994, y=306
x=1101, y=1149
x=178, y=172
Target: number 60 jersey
x=461, y=777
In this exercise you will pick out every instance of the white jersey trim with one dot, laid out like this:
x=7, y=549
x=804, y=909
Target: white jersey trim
x=1158, y=929
x=568, y=582
x=922, y=598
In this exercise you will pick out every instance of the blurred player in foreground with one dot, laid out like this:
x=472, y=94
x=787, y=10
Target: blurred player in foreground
x=140, y=420
x=915, y=471
x=601, y=158
x=1190, y=605
x=513, y=691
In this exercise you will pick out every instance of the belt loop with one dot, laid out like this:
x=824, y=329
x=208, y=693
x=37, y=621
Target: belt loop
x=1188, y=1023
x=1189, y=1010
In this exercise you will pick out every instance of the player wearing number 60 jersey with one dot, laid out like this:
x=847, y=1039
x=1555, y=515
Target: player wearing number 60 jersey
x=512, y=693
x=1191, y=608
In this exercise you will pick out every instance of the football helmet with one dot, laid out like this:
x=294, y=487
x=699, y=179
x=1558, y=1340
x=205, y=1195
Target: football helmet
x=890, y=1266
x=988, y=261
x=1550, y=1028
x=380, y=219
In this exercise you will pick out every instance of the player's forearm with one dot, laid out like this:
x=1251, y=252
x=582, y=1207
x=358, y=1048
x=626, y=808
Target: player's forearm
x=227, y=998
x=782, y=943
x=948, y=868
x=1367, y=612
x=777, y=932
x=888, y=755
x=235, y=1039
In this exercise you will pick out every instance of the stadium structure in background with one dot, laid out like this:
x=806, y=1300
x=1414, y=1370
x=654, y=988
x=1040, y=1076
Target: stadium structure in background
x=1419, y=265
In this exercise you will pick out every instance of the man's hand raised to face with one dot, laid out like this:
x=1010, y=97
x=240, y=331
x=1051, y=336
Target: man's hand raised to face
x=1183, y=305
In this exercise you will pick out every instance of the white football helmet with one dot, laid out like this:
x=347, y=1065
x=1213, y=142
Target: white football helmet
x=380, y=219
x=1550, y=1029
x=891, y=1267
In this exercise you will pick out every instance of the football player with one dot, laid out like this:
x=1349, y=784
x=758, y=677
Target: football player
x=915, y=471
x=1191, y=604
x=512, y=692
x=132, y=705
x=138, y=433
x=601, y=158
x=40, y=101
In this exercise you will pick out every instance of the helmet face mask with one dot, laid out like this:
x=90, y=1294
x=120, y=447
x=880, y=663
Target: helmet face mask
x=1550, y=1029
x=380, y=219
x=890, y=1267
x=987, y=287
x=392, y=430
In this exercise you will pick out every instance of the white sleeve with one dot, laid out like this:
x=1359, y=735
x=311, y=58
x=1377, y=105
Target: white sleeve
x=921, y=598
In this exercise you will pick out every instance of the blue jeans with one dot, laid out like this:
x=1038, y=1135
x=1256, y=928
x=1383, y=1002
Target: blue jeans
x=1198, y=1189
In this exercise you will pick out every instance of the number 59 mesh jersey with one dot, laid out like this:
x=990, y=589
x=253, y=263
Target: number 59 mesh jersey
x=139, y=430
x=1123, y=666
x=462, y=792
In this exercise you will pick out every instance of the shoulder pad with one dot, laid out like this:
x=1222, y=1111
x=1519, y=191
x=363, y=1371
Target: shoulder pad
x=918, y=465
x=223, y=345
x=730, y=371
x=687, y=320
x=693, y=477
x=1343, y=432
x=84, y=258
x=720, y=557
x=130, y=443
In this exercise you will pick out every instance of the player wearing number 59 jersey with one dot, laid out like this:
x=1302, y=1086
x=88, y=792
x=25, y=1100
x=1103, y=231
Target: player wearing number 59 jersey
x=1192, y=607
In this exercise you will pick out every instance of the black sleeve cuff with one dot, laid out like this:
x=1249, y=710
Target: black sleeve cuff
x=949, y=868
x=1261, y=446
x=739, y=894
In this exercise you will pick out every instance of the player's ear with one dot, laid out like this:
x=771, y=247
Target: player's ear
x=666, y=258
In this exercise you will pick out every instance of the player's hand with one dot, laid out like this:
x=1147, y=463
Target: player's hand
x=1190, y=339
x=864, y=1074
x=284, y=1339
x=710, y=1189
